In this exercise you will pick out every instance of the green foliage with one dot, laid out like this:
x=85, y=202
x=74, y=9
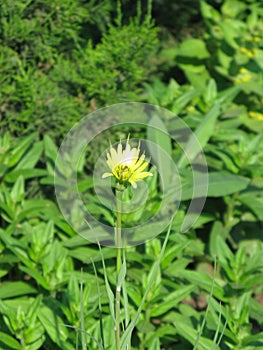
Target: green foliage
x=42, y=300
x=228, y=53
x=202, y=289
x=113, y=69
x=68, y=58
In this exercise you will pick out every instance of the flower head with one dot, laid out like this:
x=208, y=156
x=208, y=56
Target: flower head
x=126, y=165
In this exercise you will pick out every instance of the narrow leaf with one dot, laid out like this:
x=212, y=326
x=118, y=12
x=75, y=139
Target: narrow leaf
x=31, y=158
x=108, y=288
x=15, y=289
x=21, y=148
x=9, y=341
x=219, y=185
x=199, y=139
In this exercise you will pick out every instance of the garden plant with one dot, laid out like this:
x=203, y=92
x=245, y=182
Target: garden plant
x=131, y=175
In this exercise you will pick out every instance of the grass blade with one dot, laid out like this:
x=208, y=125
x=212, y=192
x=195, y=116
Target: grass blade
x=100, y=309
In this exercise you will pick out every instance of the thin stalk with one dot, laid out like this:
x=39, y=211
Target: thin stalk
x=118, y=268
x=82, y=321
x=229, y=217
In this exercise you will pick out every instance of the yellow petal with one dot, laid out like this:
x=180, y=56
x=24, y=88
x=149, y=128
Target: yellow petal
x=140, y=161
x=142, y=167
x=114, y=156
x=134, y=184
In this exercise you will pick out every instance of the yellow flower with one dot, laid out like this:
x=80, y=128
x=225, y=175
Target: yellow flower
x=246, y=78
x=257, y=39
x=251, y=53
x=256, y=115
x=243, y=50
x=243, y=70
x=126, y=165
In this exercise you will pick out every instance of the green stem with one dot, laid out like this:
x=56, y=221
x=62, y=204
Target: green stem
x=229, y=217
x=118, y=268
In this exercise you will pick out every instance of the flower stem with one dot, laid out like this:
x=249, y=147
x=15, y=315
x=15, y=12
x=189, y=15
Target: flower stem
x=118, y=268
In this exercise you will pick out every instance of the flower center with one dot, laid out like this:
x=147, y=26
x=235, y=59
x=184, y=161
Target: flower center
x=122, y=172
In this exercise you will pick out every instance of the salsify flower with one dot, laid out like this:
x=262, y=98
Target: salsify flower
x=126, y=165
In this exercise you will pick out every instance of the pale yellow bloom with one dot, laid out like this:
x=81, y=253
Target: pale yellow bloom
x=243, y=50
x=257, y=39
x=243, y=70
x=126, y=165
x=244, y=76
x=251, y=53
x=256, y=115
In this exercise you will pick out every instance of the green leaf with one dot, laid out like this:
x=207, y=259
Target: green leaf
x=31, y=158
x=209, y=12
x=18, y=191
x=191, y=334
x=218, y=230
x=35, y=336
x=37, y=276
x=197, y=75
x=160, y=147
x=228, y=95
x=33, y=309
x=171, y=300
x=10, y=213
x=155, y=344
x=100, y=308
x=227, y=159
x=211, y=92
x=253, y=202
x=21, y=148
x=85, y=254
x=256, y=310
x=122, y=274
x=8, y=259
x=126, y=337
x=252, y=20
x=82, y=317
x=9, y=341
x=254, y=339
x=17, y=248
x=199, y=139
x=225, y=184
x=203, y=281
x=84, y=184
x=230, y=34
x=219, y=185
x=50, y=148
x=55, y=328
x=15, y=289
x=26, y=173
x=108, y=288
x=49, y=180
x=233, y=8
x=183, y=100
x=194, y=48
x=125, y=297
x=37, y=207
